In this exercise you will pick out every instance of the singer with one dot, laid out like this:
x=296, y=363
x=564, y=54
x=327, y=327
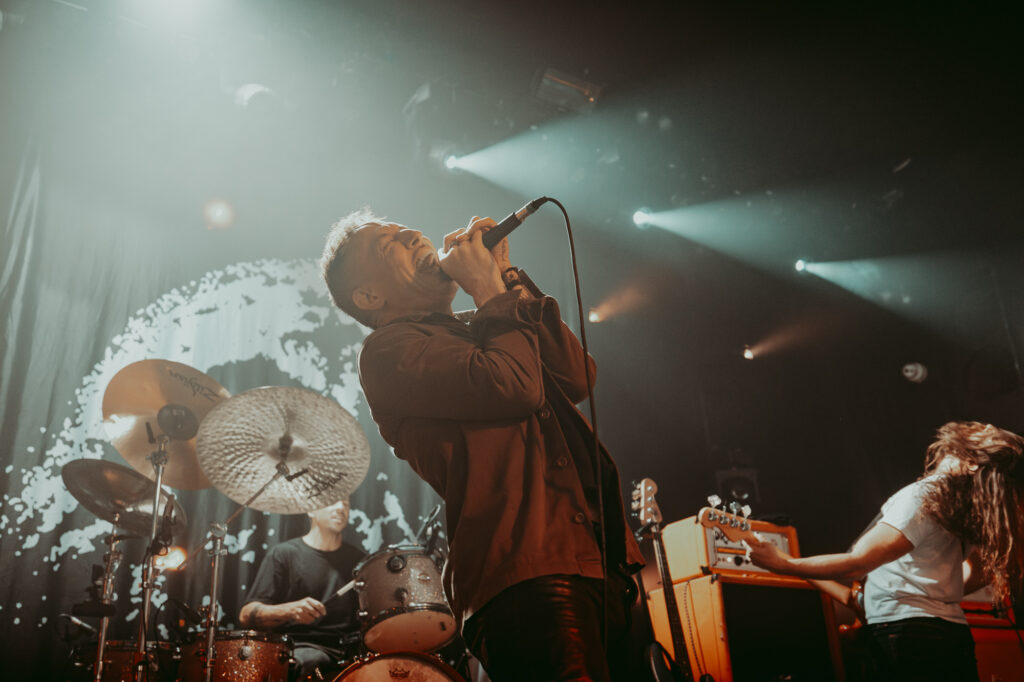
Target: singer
x=482, y=406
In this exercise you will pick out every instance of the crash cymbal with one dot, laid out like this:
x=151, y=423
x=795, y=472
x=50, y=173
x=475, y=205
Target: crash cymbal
x=115, y=493
x=240, y=441
x=172, y=399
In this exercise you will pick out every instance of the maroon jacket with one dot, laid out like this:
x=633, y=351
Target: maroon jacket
x=472, y=408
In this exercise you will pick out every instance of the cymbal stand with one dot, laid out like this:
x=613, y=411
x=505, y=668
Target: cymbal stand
x=217, y=532
x=110, y=561
x=159, y=460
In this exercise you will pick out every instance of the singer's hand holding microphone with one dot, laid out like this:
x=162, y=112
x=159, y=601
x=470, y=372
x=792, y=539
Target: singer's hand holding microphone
x=462, y=257
x=466, y=260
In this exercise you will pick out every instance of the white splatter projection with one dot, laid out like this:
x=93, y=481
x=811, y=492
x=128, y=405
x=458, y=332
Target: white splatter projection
x=272, y=310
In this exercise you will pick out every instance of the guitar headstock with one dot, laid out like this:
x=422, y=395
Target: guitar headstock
x=645, y=507
x=731, y=525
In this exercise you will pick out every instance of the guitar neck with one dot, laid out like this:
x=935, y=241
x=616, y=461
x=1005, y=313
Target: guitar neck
x=671, y=605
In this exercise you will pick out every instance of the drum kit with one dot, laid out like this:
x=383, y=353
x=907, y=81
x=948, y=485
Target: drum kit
x=281, y=450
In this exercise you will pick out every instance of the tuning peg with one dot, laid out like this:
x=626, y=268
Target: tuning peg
x=746, y=514
x=734, y=507
x=714, y=500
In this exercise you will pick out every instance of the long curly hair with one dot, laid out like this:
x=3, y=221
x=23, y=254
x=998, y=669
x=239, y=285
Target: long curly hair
x=982, y=500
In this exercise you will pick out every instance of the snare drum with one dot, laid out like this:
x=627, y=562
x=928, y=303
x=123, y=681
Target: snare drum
x=400, y=665
x=401, y=601
x=239, y=655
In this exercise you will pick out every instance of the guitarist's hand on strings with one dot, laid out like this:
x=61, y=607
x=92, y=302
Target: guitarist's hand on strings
x=765, y=554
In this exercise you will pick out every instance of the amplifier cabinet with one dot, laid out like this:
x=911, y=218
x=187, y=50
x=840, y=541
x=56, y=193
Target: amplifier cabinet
x=745, y=631
x=742, y=623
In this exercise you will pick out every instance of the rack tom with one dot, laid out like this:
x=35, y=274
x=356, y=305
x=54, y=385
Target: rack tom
x=401, y=601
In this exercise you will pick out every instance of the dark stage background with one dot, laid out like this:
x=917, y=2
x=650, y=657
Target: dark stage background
x=884, y=141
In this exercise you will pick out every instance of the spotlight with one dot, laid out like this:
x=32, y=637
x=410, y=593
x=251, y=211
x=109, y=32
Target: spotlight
x=218, y=214
x=800, y=265
x=642, y=218
x=568, y=92
x=738, y=485
x=594, y=316
x=748, y=352
x=915, y=372
x=451, y=162
x=174, y=558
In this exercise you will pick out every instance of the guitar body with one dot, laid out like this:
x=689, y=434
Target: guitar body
x=661, y=665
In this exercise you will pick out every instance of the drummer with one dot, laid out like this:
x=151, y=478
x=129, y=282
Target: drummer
x=294, y=587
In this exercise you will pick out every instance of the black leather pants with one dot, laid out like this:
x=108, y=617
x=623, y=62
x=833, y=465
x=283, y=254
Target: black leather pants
x=550, y=628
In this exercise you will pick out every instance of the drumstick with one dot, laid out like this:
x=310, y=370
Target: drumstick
x=344, y=590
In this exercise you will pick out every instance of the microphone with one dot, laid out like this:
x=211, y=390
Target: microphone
x=191, y=615
x=79, y=623
x=164, y=531
x=511, y=222
x=431, y=517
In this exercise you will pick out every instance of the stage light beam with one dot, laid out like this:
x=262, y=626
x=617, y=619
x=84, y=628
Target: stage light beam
x=642, y=218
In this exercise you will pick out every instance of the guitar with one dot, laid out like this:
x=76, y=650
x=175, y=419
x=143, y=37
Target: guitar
x=645, y=508
x=737, y=529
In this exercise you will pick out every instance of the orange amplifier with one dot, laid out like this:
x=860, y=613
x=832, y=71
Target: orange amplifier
x=740, y=621
x=694, y=548
x=996, y=642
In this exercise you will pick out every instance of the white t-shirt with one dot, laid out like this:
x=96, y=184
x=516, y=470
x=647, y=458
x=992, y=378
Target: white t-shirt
x=926, y=581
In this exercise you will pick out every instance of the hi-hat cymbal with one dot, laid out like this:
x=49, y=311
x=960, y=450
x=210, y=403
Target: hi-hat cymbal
x=240, y=442
x=172, y=399
x=115, y=493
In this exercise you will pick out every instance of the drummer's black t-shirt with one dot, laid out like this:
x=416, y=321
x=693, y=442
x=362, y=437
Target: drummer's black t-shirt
x=294, y=570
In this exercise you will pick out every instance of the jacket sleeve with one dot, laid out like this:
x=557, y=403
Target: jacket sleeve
x=562, y=353
x=492, y=373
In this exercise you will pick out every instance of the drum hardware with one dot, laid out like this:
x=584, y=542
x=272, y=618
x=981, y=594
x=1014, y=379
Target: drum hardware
x=176, y=397
x=127, y=499
x=170, y=418
x=216, y=534
x=431, y=517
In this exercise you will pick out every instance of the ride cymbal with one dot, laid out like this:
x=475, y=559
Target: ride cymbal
x=241, y=441
x=172, y=399
x=115, y=493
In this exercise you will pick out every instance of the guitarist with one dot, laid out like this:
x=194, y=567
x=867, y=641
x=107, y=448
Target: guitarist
x=955, y=529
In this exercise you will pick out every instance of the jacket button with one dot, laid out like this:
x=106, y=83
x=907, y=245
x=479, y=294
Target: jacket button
x=579, y=517
x=545, y=413
x=562, y=461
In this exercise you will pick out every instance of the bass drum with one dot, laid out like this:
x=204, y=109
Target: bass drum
x=119, y=661
x=401, y=601
x=239, y=655
x=409, y=666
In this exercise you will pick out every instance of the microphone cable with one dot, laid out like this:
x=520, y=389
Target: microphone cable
x=596, y=451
